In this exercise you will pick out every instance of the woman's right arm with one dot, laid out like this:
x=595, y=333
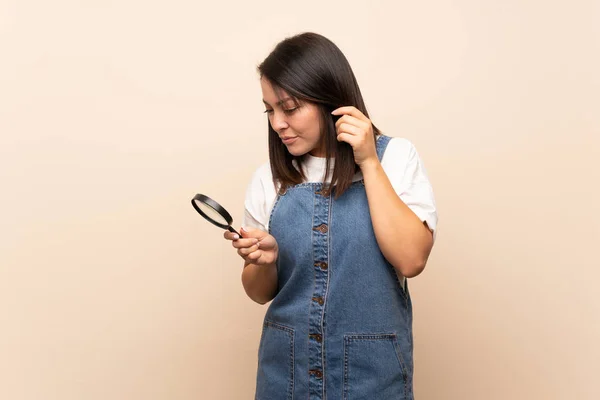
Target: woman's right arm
x=259, y=251
x=260, y=281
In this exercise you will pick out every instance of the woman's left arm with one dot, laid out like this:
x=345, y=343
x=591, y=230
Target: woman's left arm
x=403, y=238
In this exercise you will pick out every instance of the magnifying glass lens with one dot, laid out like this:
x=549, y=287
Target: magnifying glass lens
x=211, y=212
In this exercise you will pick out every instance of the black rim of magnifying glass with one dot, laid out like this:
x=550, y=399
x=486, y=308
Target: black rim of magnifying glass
x=215, y=206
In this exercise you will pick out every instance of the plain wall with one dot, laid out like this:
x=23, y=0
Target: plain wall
x=113, y=114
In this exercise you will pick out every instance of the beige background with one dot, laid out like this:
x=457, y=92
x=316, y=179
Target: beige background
x=113, y=114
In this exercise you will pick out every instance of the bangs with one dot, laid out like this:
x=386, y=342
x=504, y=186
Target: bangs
x=282, y=93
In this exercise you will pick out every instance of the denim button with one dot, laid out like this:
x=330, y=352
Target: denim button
x=322, y=228
x=317, y=337
x=322, y=265
x=316, y=372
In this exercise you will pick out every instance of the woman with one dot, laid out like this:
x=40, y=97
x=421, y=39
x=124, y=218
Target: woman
x=334, y=224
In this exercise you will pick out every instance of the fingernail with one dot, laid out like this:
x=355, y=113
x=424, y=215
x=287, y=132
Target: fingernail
x=236, y=236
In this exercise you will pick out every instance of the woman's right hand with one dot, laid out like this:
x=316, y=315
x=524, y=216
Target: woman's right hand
x=255, y=246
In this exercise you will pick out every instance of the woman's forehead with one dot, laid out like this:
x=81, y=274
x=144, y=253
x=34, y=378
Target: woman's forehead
x=281, y=95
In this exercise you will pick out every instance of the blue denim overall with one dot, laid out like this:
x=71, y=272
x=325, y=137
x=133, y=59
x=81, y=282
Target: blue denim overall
x=340, y=326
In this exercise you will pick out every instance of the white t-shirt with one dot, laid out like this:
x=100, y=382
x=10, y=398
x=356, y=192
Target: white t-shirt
x=400, y=162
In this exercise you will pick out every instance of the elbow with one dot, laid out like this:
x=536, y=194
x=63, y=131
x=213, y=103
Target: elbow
x=411, y=265
x=411, y=269
x=257, y=297
x=408, y=260
x=261, y=301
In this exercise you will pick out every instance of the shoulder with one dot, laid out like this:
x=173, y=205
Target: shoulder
x=261, y=189
x=400, y=144
x=398, y=154
x=263, y=171
x=261, y=176
x=259, y=197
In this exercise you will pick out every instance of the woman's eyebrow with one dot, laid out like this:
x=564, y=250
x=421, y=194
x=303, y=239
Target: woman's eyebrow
x=280, y=101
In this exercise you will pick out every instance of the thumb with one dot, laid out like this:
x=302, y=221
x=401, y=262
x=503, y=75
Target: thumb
x=248, y=232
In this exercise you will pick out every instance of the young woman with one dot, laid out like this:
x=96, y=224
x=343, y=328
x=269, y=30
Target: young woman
x=334, y=224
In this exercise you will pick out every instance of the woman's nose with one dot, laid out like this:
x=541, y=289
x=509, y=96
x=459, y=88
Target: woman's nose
x=278, y=122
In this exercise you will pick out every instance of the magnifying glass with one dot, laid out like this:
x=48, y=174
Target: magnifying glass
x=213, y=212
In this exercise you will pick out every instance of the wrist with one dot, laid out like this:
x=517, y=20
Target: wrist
x=368, y=166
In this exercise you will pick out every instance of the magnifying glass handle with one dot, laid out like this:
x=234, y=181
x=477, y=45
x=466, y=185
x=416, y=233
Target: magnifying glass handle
x=230, y=229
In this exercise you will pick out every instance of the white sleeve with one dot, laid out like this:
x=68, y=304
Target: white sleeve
x=256, y=213
x=409, y=179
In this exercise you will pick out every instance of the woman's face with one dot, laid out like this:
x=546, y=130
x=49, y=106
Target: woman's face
x=298, y=125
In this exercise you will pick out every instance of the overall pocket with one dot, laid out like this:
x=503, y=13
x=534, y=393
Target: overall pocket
x=275, y=375
x=374, y=368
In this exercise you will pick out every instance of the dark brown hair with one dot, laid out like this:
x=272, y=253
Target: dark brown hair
x=311, y=68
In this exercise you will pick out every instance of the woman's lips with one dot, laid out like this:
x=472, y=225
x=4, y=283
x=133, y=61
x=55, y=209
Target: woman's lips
x=289, y=140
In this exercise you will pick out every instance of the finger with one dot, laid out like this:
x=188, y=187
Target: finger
x=244, y=232
x=346, y=137
x=349, y=119
x=244, y=243
x=350, y=110
x=351, y=129
x=268, y=242
x=254, y=256
x=252, y=233
x=230, y=235
x=246, y=251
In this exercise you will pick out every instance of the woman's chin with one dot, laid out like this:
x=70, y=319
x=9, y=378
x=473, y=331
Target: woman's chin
x=297, y=151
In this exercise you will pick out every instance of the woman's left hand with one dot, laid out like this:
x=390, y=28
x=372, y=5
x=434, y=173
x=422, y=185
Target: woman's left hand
x=356, y=129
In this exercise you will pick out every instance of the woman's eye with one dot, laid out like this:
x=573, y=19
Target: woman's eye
x=288, y=111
